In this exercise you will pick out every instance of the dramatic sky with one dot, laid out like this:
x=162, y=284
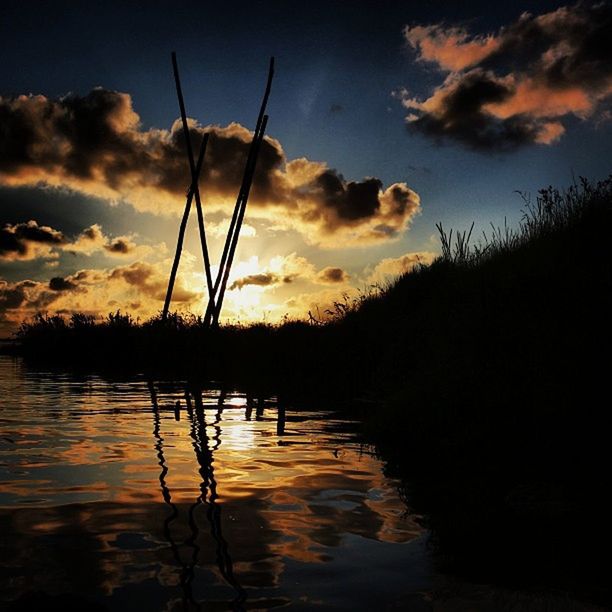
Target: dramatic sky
x=385, y=118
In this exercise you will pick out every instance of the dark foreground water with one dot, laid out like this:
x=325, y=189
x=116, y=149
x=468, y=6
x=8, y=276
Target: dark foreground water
x=111, y=499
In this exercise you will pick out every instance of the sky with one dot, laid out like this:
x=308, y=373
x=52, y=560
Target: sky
x=385, y=118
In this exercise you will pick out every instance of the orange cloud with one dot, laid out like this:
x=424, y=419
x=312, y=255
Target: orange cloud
x=512, y=88
x=92, y=240
x=139, y=287
x=450, y=48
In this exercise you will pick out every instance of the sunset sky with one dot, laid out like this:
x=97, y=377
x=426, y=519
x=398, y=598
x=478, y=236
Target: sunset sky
x=385, y=118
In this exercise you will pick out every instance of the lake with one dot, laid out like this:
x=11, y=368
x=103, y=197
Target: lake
x=123, y=493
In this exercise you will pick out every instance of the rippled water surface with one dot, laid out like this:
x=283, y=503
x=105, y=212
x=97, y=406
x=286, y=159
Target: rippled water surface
x=111, y=497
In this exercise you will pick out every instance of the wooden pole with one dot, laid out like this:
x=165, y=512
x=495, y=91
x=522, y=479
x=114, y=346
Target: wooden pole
x=194, y=179
x=181, y=235
x=212, y=309
x=232, y=251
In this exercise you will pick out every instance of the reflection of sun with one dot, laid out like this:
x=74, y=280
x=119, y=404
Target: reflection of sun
x=237, y=435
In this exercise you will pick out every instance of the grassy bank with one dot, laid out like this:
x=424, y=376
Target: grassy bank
x=499, y=426
x=491, y=367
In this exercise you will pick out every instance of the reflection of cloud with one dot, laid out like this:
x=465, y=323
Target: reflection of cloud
x=101, y=510
x=95, y=144
x=512, y=88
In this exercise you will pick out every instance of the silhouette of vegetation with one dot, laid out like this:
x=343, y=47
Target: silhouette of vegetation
x=488, y=367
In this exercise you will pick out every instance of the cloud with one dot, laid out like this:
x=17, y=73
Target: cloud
x=95, y=144
x=265, y=279
x=23, y=298
x=15, y=295
x=291, y=268
x=332, y=276
x=512, y=88
x=150, y=281
x=139, y=286
x=220, y=229
x=451, y=48
x=57, y=283
x=120, y=246
x=92, y=239
x=392, y=267
x=26, y=241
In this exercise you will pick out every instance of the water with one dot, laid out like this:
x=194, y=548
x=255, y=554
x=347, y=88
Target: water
x=107, y=499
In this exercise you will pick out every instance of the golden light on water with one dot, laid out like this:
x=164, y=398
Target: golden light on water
x=140, y=489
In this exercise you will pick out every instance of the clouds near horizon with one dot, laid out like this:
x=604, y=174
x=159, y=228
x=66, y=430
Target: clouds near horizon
x=515, y=87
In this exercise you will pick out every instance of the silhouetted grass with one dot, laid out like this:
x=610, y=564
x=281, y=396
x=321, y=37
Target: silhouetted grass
x=490, y=366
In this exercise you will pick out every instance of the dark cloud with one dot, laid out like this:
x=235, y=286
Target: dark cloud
x=119, y=245
x=577, y=38
x=138, y=274
x=95, y=144
x=332, y=276
x=334, y=109
x=14, y=296
x=350, y=200
x=57, y=283
x=461, y=116
x=512, y=88
x=28, y=240
x=264, y=279
x=92, y=233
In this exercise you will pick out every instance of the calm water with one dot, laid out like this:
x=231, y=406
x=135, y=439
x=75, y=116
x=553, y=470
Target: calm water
x=110, y=495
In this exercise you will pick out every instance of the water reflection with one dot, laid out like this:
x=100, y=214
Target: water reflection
x=182, y=498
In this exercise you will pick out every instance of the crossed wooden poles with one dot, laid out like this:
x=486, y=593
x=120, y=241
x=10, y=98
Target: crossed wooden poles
x=216, y=288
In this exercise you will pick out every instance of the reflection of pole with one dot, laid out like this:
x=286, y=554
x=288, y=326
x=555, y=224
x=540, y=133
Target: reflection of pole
x=205, y=459
x=249, y=407
x=280, y=421
x=185, y=576
x=260, y=408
